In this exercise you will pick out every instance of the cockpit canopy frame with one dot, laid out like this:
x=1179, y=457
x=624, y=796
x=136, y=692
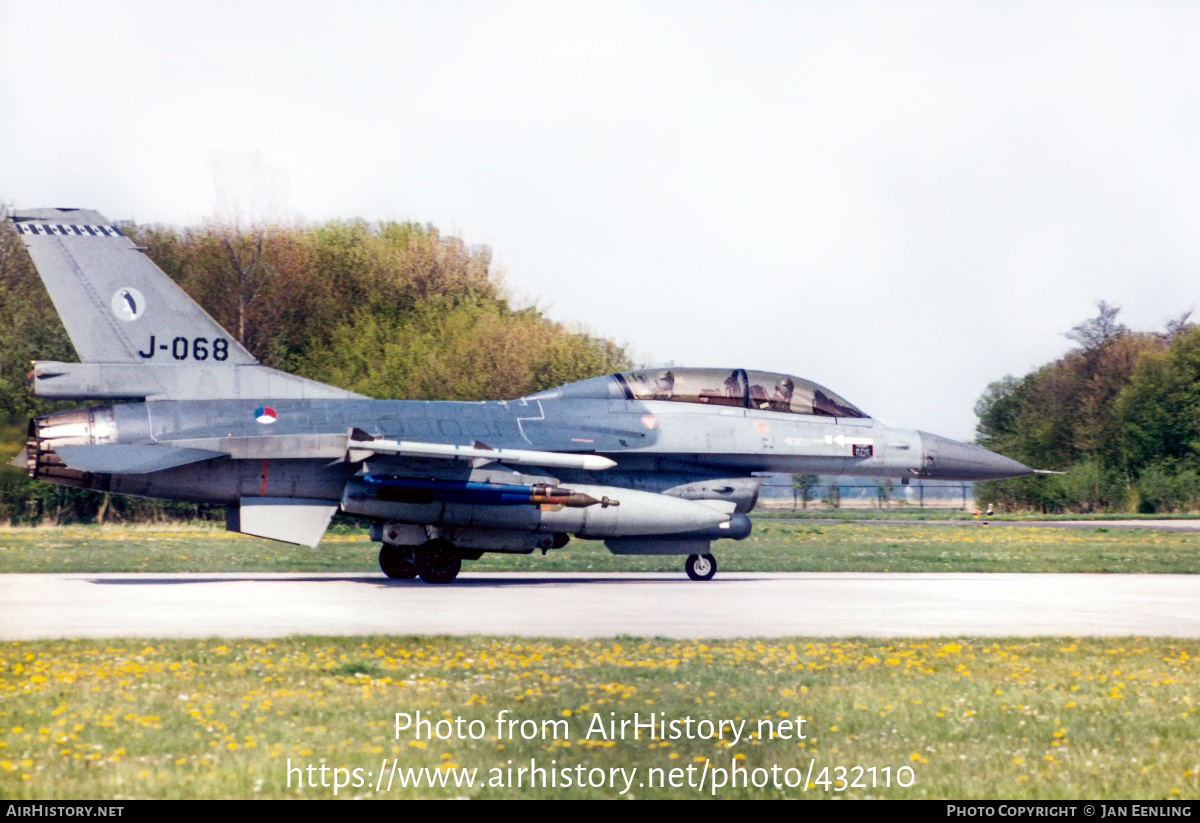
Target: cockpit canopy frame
x=737, y=388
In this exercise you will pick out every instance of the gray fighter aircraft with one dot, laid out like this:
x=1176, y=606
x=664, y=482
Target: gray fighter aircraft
x=653, y=461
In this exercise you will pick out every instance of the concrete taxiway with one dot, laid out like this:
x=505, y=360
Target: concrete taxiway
x=599, y=605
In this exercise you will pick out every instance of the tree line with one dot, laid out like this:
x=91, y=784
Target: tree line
x=1119, y=414
x=389, y=310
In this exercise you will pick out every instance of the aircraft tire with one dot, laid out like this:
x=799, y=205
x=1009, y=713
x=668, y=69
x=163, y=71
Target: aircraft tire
x=701, y=566
x=438, y=562
x=397, y=562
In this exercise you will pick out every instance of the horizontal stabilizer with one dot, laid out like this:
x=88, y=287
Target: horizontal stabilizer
x=289, y=520
x=126, y=459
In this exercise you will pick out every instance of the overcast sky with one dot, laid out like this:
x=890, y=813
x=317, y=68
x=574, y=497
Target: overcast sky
x=903, y=201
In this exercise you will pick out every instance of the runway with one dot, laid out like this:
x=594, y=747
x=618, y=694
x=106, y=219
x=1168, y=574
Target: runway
x=586, y=605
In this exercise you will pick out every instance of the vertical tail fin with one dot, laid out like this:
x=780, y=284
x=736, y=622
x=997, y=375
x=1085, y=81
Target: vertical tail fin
x=117, y=306
x=138, y=334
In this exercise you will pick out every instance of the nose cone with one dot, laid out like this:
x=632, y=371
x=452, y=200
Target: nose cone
x=947, y=459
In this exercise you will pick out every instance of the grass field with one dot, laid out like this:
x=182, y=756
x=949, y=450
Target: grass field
x=919, y=515
x=774, y=546
x=1049, y=718
x=969, y=719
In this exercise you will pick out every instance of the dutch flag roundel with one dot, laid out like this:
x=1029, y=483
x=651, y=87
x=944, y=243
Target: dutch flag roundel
x=266, y=414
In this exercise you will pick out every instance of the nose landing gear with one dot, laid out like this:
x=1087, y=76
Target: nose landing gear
x=701, y=566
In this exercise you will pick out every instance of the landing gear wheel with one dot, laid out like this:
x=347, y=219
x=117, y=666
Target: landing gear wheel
x=397, y=562
x=701, y=566
x=438, y=562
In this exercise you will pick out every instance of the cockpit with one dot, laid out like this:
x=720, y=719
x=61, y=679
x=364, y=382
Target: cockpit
x=735, y=387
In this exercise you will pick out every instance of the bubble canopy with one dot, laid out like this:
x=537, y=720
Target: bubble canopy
x=735, y=387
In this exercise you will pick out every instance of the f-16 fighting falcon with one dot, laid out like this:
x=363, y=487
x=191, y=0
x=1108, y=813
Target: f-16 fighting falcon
x=653, y=461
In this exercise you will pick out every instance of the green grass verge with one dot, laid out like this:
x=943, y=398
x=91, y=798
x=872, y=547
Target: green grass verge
x=817, y=513
x=774, y=546
x=1049, y=718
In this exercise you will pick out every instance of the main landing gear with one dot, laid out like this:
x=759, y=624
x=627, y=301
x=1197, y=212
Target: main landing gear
x=701, y=566
x=398, y=562
x=437, y=561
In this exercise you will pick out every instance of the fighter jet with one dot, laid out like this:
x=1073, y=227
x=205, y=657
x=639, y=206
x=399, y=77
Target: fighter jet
x=651, y=461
